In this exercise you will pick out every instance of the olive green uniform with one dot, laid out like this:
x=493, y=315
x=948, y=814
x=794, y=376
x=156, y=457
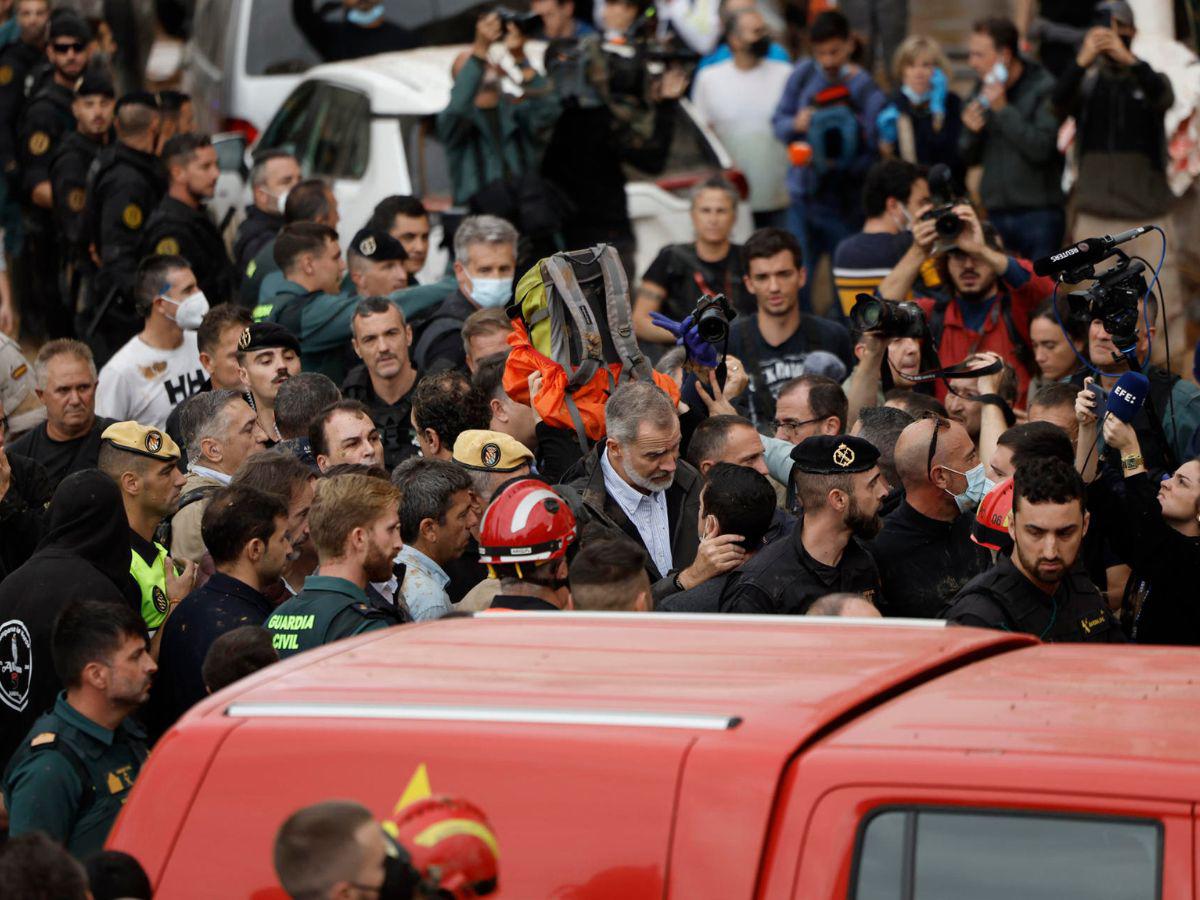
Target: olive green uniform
x=328, y=609
x=70, y=777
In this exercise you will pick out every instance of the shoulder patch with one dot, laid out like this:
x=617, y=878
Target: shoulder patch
x=132, y=216
x=76, y=200
x=168, y=246
x=39, y=143
x=6, y=75
x=19, y=372
x=251, y=269
x=46, y=737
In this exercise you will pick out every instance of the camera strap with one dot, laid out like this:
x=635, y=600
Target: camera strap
x=958, y=370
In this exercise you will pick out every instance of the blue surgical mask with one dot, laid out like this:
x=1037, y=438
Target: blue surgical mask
x=978, y=485
x=913, y=97
x=364, y=17
x=491, y=293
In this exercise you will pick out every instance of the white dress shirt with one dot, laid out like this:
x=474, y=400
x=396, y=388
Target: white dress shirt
x=647, y=512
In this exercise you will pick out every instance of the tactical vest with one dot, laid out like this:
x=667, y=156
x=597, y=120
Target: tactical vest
x=1079, y=617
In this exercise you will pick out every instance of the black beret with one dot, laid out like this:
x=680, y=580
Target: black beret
x=824, y=454
x=262, y=335
x=377, y=246
x=70, y=25
x=94, y=82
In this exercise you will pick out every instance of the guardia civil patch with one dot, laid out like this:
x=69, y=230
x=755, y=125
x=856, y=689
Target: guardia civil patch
x=76, y=200
x=132, y=216
x=168, y=246
x=6, y=75
x=39, y=143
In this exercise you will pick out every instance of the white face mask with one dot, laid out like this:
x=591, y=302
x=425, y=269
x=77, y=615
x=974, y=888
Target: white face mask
x=190, y=311
x=491, y=293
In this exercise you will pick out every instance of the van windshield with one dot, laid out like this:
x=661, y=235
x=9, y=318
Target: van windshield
x=278, y=47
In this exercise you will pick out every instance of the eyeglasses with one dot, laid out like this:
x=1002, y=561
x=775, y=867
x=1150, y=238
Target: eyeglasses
x=73, y=47
x=793, y=424
x=938, y=424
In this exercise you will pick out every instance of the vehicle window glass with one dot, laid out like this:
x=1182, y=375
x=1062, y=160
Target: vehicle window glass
x=327, y=128
x=231, y=153
x=996, y=855
x=689, y=151
x=427, y=167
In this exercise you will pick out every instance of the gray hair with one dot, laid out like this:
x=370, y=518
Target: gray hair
x=715, y=183
x=634, y=403
x=482, y=230
x=206, y=416
x=61, y=347
x=258, y=172
x=426, y=488
x=671, y=360
x=300, y=400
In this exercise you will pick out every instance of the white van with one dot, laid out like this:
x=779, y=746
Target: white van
x=367, y=125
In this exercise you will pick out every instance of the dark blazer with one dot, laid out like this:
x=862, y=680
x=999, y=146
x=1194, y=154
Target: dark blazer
x=683, y=511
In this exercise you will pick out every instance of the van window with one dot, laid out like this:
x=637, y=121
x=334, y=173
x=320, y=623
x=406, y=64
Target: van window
x=427, y=167
x=211, y=23
x=1000, y=854
x=327, y=127
x=277, y=46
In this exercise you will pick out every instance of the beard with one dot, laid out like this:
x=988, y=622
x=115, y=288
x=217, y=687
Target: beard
x=860, y=524
x=378, y=564
x=650, y=484
x=1032, y=567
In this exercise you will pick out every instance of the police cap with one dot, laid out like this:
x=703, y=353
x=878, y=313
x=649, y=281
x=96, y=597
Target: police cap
x=377, y=246
x=95, y=83
x=838, y=454
x=142, y=440
x=262, y=335
x=490, y=451
x=66, y=24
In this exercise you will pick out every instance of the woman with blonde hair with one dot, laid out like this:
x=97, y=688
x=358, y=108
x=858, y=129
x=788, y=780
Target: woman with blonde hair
x=923, y=121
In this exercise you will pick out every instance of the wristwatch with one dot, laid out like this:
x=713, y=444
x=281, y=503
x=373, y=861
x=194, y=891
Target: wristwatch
x=1132, y=461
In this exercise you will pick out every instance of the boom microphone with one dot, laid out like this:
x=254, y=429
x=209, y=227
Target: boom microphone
x=1128, y=395
x=1086, y=253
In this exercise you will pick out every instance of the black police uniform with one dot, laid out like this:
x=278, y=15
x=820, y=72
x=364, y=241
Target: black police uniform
x=18, y=62
x=68, y=179
x=783, y=577
x=47, y=119
x=256, y=231
x=70, y=777
x=124, y=187
x=176, y=228
x=1004, y=598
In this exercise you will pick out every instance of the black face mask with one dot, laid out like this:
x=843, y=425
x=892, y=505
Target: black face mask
x=761, y=47
x=1127, y=40
x=400, y=879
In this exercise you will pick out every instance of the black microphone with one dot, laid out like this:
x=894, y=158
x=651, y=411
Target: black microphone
x=1086, y=253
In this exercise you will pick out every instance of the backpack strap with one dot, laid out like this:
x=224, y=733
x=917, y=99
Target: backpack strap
x=559, y=272
x=620, y=315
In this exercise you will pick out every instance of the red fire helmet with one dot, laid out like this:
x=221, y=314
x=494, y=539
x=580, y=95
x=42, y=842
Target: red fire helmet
x=528, y=522
x=452, y=846
x=990, y=528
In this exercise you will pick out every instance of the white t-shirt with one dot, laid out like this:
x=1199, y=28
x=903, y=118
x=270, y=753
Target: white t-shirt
x=738, y=104
x=143, y=384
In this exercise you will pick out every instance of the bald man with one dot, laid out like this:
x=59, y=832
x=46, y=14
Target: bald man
x=925, y=552
x=849, y=605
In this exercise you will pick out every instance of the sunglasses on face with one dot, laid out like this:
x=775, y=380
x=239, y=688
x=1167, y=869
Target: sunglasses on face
x=73, y=47
x=938, y=424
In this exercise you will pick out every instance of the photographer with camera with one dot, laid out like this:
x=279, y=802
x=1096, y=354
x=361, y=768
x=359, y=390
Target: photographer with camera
x=986, y=298
x=888, y=353
x=1122, y=181
x=492, y=138
x=1168, y=421
x=618, y=108
x=1011, y=130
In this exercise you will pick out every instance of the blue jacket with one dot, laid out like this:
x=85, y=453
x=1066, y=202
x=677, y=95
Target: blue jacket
x=807, y=80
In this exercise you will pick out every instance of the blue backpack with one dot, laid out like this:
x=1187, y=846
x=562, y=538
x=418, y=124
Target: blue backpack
x=833, y=136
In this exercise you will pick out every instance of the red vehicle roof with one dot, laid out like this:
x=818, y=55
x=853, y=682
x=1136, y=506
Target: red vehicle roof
x=1058, y=709
x=562, y=728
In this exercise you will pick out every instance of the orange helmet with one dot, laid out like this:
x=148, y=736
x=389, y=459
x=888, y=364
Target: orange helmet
x=990, y=528
x=527, y=522
x=452, y=846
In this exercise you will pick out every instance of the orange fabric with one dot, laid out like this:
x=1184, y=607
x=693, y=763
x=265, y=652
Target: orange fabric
x=524, y=360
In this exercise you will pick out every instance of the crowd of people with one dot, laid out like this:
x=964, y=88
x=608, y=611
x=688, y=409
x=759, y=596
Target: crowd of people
x=225, y=450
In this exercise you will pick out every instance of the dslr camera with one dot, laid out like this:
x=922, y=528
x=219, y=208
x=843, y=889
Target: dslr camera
x=526, y=22
x=945, y=198
x=712, y=317
x=1114, y=300
x=893, y=320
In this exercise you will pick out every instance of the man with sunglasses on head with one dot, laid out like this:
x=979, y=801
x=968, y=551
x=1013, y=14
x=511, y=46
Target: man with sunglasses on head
x=924, y=552
x=987, y=300
x=46, y=121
